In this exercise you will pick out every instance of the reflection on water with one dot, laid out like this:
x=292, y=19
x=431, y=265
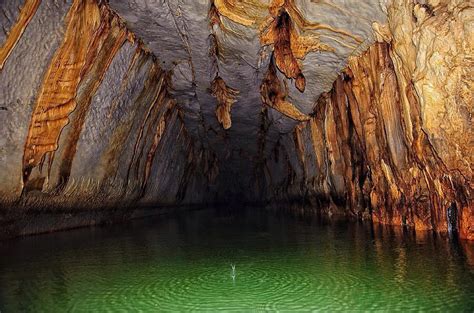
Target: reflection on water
x=282, y=262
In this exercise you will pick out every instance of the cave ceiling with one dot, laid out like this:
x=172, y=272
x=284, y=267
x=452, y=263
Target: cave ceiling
x=233, y=41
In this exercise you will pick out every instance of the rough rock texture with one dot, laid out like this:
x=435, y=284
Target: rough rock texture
x=393, y=139
x=361, y=108
x=309, y=42
x=354, y=155
x=89, y=123
x=28, y=10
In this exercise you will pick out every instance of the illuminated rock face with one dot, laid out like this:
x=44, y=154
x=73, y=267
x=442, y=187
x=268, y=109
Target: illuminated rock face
x=88, y=118
x=355, y=154
x=362, y=109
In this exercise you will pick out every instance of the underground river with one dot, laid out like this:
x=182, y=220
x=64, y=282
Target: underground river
x=283, y=262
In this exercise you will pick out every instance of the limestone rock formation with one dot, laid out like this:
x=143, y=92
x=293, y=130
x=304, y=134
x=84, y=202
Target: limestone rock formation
x=358, y=108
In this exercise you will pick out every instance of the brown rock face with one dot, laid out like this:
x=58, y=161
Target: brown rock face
x=392, y=140
x=375, y=163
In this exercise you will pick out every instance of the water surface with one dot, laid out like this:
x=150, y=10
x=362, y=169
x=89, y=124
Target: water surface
x=284, y=262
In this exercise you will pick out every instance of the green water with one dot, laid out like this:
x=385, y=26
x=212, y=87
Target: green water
x=181, y=262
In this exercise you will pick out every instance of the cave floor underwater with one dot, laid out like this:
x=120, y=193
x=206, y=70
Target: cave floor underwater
x=239, y=259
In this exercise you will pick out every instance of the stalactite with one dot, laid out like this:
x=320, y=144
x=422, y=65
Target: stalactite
x=280, y=36
x=274, y=96
x=226, y=97
x=288, y=45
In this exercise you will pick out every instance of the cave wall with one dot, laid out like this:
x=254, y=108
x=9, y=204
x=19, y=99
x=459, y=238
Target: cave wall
x=393, y=139
x=222, y=101
x=87, y=119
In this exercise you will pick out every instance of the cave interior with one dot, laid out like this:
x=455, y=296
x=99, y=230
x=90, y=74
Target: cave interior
x=361, y=109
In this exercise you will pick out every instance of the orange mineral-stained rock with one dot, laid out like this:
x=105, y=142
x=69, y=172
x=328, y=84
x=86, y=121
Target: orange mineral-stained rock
x=289, y=46
x=56, y=99
x=244, y=12
x=108, y=39
x=360, y=126
x=273, y=95
x=26, y=14
x=226, y=97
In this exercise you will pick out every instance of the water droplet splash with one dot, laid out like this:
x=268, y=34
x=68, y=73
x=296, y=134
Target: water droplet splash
x=233, y=271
